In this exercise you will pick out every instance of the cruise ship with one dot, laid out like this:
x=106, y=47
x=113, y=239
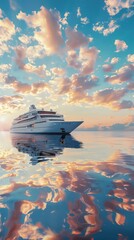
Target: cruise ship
x=42, y=121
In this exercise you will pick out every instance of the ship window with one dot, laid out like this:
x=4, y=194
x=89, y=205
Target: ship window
x=46, y=112
x=52, y=116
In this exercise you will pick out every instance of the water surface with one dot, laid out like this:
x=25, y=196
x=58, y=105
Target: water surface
x=76, y=187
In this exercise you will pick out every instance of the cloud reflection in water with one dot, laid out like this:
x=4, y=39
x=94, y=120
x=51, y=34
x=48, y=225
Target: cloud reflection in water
x=59, y=199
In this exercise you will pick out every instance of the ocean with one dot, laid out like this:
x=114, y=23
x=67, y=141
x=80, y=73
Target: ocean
x=76, y=187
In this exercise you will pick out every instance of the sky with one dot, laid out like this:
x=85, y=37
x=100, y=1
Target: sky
x=75, y=57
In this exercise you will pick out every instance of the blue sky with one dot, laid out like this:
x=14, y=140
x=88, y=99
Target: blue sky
x=75, y=56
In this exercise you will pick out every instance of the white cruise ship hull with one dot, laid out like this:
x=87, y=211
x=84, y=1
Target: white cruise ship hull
x=63, y=127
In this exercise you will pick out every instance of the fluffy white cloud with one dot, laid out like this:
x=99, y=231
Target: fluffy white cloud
x=7, y=30
x=120, y=45
x=130, y=58
x=58, y=71
x=115, y=6
x=25, y=39
x=64, y=20
x=112, y=26
x=84, y=20
x=5, y=67
x=47, y=29
x=114, y=60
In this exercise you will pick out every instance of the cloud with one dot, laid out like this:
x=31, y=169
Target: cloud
x=78, y=12
x=58, y=71
x=115, y=6
x=13, y=4
x=4, y=48
x=7, y=99
x=1, y=14
x=108, y=97
x=112, y=26
x=124, y=74
x=25, y=39
x=21, y=54
x=85, y=60
x=88, y=57
x=125, y=104
x=5, y=67
x=75, y=39
x=130, y=86
x=64, y=85
x=130, y=58
x=107, y=67
x=8, y=103
x=76, y=88
x=64, y=20
x=120, y=45
x=39, y=52
x=73, y=59
x=7, y=30
x=41, y=71
x=114, y=60
x=84, y=20
x=127, y=15
x=25, y=88
x=49, y=34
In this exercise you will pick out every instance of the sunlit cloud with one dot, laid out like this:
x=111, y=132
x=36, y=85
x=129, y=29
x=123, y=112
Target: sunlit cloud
x=75, y=39
x=130, y=58
x=88, y=59
x=84, y=20
x=49, y=34
x=78, y=12
x=7, y=30
x=108, y=97
x=112, y=26
x=5, y=67
x=58, y=71
x=115, y=6
x=127, y=15
x=114, y=60
x=120, y=45
x=123, y=75
x=25, y=39
x=64, y=19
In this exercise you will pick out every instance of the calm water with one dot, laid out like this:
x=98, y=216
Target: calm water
x=77, y=187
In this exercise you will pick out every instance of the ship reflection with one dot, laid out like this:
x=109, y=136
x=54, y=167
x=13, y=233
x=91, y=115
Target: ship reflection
x=43, y=147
